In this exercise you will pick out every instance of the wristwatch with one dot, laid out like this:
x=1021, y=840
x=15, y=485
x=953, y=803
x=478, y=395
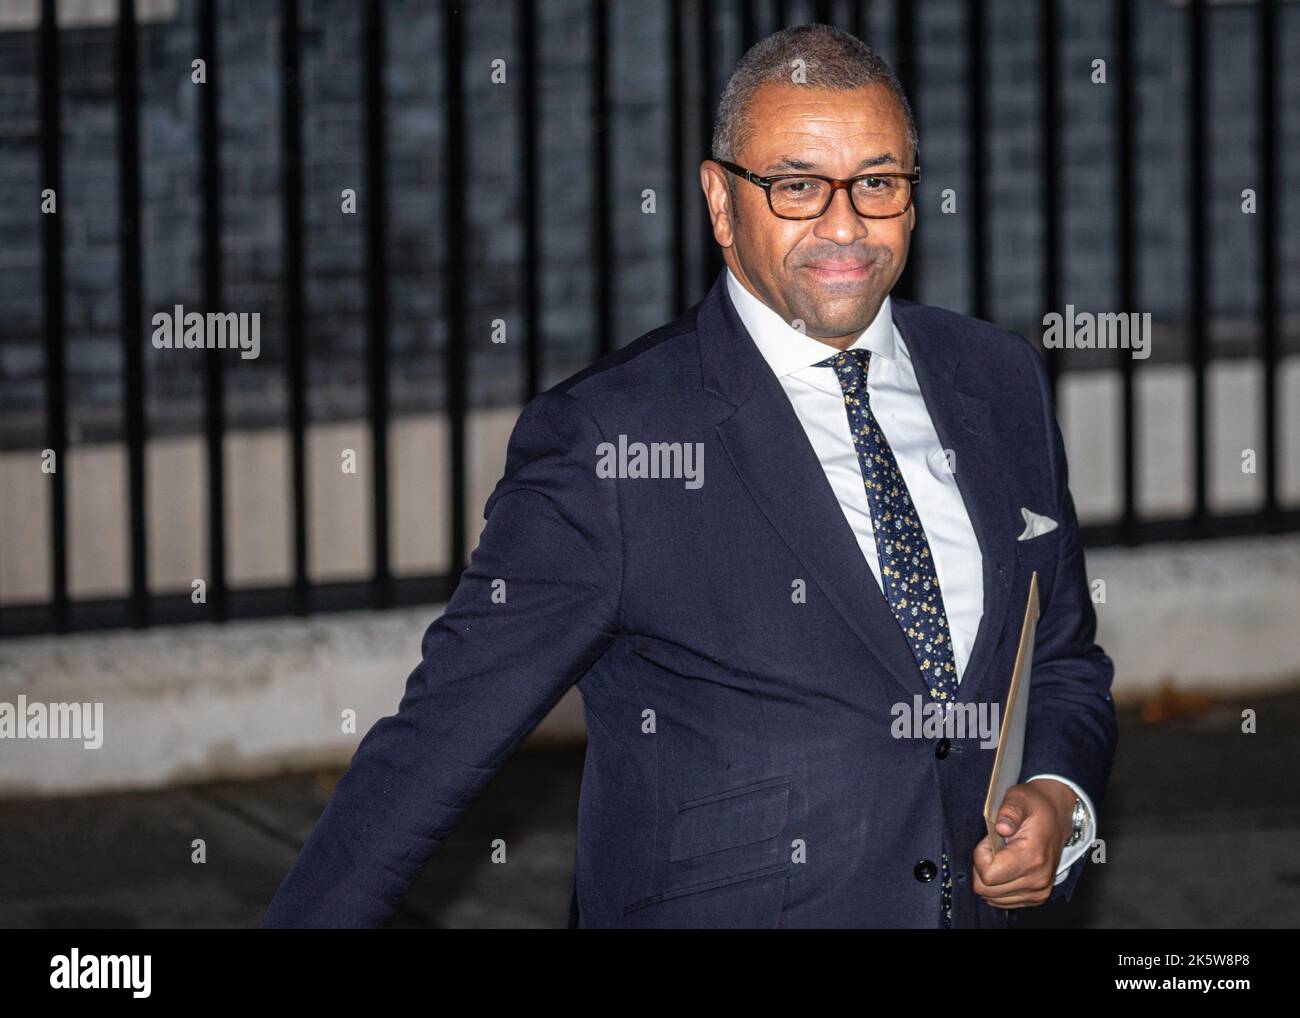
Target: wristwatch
x=1078, y=821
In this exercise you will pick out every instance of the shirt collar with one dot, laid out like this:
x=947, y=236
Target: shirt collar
x=788, y=350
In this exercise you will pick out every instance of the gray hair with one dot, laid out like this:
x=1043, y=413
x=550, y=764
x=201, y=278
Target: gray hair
x=832, y=59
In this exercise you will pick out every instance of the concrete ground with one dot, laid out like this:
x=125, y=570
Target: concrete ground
x=1201, y=826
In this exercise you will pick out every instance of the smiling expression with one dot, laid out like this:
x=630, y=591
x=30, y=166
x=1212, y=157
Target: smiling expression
x=831, y=273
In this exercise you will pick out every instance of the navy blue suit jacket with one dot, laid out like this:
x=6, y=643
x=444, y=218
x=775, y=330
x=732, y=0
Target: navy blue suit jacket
x=740, y=766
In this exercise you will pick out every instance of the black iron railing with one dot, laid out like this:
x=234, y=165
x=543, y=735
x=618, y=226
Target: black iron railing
x=690, y=28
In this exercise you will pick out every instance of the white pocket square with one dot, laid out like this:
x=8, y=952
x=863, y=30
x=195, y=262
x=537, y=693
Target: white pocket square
x=1035, y=525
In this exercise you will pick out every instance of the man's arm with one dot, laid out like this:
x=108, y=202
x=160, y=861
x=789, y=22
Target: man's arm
x=491, y=670
x=1071, y=728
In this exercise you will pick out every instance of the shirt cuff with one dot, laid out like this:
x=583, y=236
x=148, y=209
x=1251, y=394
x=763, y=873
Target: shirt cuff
x=1071, y=855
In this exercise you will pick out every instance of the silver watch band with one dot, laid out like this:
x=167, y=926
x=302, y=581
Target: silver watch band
x=1078, y=821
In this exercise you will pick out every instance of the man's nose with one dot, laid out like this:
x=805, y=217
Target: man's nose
x=840, y=222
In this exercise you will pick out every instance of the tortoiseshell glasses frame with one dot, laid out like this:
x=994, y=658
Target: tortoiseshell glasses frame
x=894, y=205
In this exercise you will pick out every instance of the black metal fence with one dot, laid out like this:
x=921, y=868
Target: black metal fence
x=690, y=25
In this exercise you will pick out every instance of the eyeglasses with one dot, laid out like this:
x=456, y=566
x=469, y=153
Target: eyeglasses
x=807, y=196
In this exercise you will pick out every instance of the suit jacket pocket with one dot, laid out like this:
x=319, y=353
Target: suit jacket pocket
x=749, y=899
x=730, y=819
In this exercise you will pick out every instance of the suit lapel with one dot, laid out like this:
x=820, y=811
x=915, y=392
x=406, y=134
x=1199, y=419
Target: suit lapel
x=778, y=466
x=769, y=449
x=955, y=384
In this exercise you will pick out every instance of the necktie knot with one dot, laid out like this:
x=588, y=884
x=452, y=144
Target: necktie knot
x=850, y=367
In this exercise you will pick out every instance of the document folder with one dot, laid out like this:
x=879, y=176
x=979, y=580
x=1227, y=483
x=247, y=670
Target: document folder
x=1011, y=737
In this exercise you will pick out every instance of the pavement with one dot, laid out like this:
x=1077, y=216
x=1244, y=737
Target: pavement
x=1201, y=826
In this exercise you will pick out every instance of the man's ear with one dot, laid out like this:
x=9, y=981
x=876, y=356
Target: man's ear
x=720, y=200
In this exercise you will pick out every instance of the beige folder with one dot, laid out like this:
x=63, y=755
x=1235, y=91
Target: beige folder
x=1011, y=737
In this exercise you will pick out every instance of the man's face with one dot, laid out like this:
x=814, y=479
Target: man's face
x=833, y=272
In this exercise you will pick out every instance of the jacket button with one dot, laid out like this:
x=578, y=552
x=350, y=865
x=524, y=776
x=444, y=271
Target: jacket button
x=925, y=871
x=941, y=750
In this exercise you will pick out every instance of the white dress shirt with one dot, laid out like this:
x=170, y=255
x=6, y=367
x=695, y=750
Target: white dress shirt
x=896, y=401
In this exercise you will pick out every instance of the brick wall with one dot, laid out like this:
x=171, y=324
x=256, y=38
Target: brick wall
x=333, y=159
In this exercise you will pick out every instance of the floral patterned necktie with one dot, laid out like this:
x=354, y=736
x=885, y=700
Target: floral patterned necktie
x=907, y=570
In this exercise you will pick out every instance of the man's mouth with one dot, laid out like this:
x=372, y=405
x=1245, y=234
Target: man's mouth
x=840, y=272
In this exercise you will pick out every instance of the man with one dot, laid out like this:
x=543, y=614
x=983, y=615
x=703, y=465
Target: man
x=882, y=480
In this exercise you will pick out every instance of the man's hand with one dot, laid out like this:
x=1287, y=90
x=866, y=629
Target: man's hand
x=1035, y=820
